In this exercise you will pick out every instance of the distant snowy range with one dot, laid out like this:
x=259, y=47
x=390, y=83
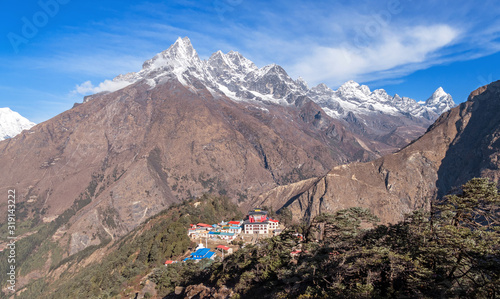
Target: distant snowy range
x=12, y=123
x=240, y=79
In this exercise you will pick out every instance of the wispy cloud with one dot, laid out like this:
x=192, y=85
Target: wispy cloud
x=370, y=41
x=322, y=41
x=411, y=47
x=108, y=85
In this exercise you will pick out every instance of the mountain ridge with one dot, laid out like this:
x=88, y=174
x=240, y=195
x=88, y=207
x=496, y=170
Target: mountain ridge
x=174, y=129
x=462, y=144
x=387, y=122
x=103, y=167
x=95, y=172
x=240, y=79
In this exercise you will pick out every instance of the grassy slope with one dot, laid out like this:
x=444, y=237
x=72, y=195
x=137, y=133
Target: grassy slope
x=162, y=237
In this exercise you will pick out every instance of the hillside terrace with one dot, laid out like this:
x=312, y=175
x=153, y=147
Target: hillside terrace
x=257, y=223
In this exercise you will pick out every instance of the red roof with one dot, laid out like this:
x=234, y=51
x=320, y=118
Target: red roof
x=223, y=247
x=272, y=220
x=169, y=262
x=234, y=222
x=203, y=225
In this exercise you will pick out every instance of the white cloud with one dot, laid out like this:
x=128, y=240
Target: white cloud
x=108, y=85
x=405, y=50
x=388, y=54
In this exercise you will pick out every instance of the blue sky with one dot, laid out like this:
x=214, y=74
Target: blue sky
x=409, y=47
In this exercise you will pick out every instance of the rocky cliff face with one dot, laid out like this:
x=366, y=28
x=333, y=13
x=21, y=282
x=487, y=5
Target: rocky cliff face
x=463, y=143
x=122, y=157
x=391, y=121
x=181, y=127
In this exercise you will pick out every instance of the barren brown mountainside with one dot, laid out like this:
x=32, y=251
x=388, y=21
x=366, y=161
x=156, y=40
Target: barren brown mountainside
x=181, y=128
x=124, y=156
x=463, y=143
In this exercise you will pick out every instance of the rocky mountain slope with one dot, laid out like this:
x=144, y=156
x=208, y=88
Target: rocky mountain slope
x=131, y=153
x=98, y=170
x=183, y=126
x=392, y=121
x=463, y=143
x=12, y=123
x=171, y=132
x=241, y=80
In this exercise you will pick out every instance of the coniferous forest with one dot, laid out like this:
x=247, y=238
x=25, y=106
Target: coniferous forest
x=453, y=251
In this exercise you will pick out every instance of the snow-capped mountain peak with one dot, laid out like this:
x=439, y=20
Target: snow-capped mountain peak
x=348, y=86
x=321, y=88
x=183, y=48
x=240, y=79
x=302, y=84
x=232, y=61
x=220, y=61
x=12, y=123
x=180, y=52
x=177, y=58
x=440, y=101
x=240, y=61
x=437, y=96
x=356, y=98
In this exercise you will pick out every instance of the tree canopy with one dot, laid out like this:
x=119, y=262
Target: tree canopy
x=452, y=251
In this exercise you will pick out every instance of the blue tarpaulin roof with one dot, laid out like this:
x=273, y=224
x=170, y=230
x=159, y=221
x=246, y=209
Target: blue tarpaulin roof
x=226, y=234
x=221, y=234
x=203, y=253
x=209, y=255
